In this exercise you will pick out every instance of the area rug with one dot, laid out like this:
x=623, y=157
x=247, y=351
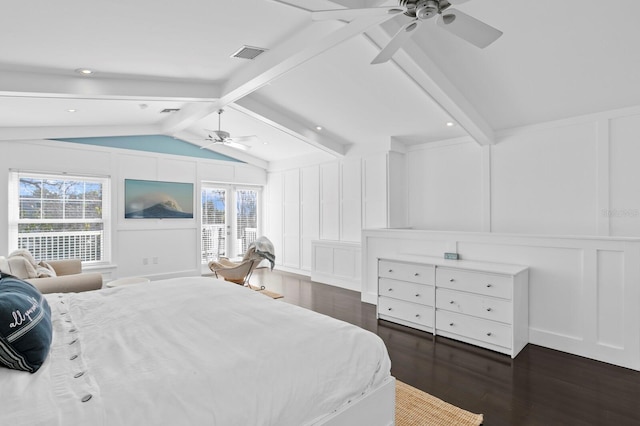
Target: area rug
x=271, y=294
x=417, y=408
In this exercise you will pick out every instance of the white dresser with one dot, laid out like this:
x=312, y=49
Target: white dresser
x=484, y=304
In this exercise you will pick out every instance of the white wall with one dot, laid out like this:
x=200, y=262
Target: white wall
x=571, y=177
x=174, y=243
x=332, y=201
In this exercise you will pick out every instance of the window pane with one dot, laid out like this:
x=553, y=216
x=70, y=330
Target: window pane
x=52, y=209
x=30, y=209
x=53, y=189
x=73, y=209
x=246, y=219
x=30, y=188
x=93, y=191
x=93, y=209
x=75, y=190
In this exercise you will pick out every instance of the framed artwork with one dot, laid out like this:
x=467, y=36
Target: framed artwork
x=151, y=199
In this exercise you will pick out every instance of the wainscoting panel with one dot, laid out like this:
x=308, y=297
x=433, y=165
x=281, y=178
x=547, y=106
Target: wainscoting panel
x=336, y=263
x=584, y=292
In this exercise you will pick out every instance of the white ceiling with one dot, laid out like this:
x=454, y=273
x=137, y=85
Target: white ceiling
x=555, y=60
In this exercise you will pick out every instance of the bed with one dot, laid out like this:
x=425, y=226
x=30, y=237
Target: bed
x=199, y=351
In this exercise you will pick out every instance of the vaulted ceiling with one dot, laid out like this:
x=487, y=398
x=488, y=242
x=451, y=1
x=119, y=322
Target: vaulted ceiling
x=555, y=60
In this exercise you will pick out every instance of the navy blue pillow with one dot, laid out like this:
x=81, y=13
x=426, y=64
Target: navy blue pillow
x=25, y=325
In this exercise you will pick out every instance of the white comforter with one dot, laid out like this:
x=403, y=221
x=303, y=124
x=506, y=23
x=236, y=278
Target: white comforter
x=191, y=351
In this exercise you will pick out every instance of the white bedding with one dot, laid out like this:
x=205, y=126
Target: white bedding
x=191, y=351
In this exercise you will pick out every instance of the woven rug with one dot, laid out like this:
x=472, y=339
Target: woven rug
x=417, y=408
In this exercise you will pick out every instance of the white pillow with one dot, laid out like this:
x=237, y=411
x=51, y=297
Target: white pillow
x=4, y=265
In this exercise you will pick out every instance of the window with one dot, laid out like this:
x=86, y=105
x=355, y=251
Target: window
x=226, y=211
x=60, y=216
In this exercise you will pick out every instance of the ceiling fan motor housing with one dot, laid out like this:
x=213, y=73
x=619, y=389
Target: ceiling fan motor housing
x=427, y=9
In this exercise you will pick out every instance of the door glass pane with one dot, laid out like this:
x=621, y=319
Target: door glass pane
x=246, y=219
x=214, y=207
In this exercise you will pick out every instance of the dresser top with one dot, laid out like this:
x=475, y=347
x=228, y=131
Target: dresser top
x=471, y=265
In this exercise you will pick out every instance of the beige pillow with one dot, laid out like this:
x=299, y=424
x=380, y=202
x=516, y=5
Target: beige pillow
x=21, y=268
x=24, y=253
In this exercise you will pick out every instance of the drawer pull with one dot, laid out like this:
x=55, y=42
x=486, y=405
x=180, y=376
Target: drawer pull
x=451, y=280
x=489, y=334
x=390, y=270
x=417, y=315
x=489, y=285
x=388, y=309
x=417, y=294
x=416, y=274
x=390, y=289
x=452, y=302
x=451, y=324
x=489, y=309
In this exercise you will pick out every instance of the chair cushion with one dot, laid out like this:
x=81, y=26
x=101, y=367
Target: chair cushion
x=25, y=325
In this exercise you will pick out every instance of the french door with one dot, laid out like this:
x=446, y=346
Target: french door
x=230, y=220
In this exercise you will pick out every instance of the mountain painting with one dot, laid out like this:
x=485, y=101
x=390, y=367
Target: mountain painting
x=146, y=199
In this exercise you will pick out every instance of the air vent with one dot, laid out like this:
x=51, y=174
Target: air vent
x=170, y=110
x=248, y=52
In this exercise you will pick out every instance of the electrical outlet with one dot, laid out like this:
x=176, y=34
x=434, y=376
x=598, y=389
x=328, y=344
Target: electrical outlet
x=451, y=256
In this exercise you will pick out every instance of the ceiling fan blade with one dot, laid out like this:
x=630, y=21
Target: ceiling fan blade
x=349, y=14
x=468, y=28
x=249, y=138
x=236, y=145
x=208, y=145
x=396, y=42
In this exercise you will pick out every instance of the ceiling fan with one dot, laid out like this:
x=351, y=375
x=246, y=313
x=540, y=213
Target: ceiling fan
x=458, y=23
x=221, y=137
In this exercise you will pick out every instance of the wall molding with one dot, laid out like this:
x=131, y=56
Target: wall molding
x=583, y=290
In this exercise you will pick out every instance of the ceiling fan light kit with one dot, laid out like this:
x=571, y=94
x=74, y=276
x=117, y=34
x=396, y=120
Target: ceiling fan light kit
x=457, y=23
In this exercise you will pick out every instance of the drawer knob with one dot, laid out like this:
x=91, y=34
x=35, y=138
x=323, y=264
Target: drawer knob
x=452, y=302
x=489, y=309
x=451, y=324
x=388, y=309
x=416, y=274
x=390, y=289
x=417, y=294
x=417, y=315
x=489, y=285
x=489, y=334
x=390, y=270
x=451, y=280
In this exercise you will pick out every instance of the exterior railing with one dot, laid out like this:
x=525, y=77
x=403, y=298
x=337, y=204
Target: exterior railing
x=214, y=242
x=87, y=246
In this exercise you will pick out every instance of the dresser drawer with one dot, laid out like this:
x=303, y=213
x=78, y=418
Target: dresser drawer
x=475, y=282
x=411, y=292
x=474, y=328
x=473, y=304
x=423, y=274
x=406, y=311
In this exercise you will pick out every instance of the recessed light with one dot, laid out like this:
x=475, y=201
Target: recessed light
x=265, y=143
x=72, y=110
x=318, y=128
x=84, y=71
x=450, y=124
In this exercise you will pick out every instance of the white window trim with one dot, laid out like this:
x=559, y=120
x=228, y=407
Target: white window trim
x=13, y=205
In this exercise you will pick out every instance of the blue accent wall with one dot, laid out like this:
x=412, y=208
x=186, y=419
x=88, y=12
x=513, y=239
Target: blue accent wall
x=153, y=143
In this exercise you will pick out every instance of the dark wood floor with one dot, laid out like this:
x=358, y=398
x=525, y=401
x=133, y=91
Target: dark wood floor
x=540, y=387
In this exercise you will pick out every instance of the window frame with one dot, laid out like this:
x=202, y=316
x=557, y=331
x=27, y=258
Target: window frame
x=231, y=213
x=14, y=205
